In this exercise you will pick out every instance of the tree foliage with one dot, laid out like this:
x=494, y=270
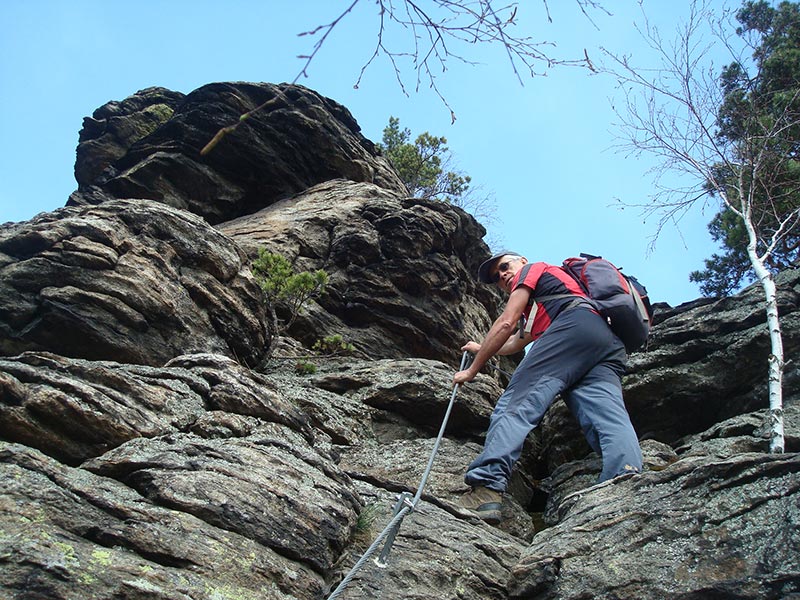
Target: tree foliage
x=425, y=166
x=334, y=345
x=282, y=285
x=725, y=271
x=759, y=114
x=421, y=164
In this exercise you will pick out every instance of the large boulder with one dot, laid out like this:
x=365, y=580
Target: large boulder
x=200, y=445
x=133, y=281
x=148, y=146
x=113, y=128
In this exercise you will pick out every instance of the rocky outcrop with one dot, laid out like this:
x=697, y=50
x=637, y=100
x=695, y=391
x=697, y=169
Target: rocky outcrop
x=148, y=146
x=401, y=282
x=113, y=128
x=149, y=451
x=708, y=363
x=68, y=533
x=131, y=280
x=76, y=409
x=699, y=529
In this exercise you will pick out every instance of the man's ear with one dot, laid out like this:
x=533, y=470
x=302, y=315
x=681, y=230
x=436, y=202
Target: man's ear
x=523, y=260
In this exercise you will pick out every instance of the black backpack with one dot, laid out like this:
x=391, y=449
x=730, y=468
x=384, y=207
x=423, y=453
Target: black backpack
x=620, y=298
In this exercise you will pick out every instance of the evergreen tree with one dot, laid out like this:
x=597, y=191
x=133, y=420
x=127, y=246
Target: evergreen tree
x=284, y=286
x=425, y=168
x=421, y=165
x=752, y=105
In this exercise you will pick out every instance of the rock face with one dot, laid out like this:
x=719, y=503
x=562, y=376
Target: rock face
x=696, y=362
x=136, y=281
x=114, y=127
x=401, y=281
x=148, y=146
x=149, y=451
x=731, y=532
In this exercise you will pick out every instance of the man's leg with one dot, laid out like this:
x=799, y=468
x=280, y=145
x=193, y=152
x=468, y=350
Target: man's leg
x=570, y=347
x=519, y=409
x=596, y=401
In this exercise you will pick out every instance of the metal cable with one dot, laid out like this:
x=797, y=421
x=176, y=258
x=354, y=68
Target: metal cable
x=404, y=506
x=347, y=578
x=466, y=358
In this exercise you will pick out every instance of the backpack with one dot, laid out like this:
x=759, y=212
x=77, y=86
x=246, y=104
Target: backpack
x=619, y=298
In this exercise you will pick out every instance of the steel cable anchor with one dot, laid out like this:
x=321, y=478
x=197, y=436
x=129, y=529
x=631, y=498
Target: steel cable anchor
x=403, y=501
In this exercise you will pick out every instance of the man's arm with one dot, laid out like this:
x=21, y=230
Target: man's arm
x=498, y=336
x=514, y=344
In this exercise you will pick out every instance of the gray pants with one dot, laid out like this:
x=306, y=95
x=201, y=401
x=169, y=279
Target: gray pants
x=579, y=355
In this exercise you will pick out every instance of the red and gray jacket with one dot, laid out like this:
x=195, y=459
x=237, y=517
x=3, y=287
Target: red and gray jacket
x=557, y=290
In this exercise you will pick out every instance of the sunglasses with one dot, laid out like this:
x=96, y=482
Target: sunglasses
x=502, y=268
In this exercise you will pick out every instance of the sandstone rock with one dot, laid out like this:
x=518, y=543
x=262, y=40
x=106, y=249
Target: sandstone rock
x=344, y=419
x=399, y=466
x=401, y=271
x=113, y=128
x=238, y=390
x=573, y=477
x=67, y=533
x=436, y=555
x=699, y=528
x=742, y=434
x=75, y=409
x=129, y=281
x=419, y=391
x=299, y=140
x=708, y=363
x=270, y=487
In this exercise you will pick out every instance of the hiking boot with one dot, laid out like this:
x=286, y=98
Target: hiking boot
x=484, y=503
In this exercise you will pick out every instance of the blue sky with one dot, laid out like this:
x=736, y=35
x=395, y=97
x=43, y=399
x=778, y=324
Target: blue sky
x=543, y=149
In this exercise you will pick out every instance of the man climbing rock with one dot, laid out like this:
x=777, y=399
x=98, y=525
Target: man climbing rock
x=574, y=353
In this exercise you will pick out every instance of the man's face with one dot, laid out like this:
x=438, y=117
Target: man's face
x=504, y=270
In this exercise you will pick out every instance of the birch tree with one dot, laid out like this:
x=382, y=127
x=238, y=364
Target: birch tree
x=681, y=113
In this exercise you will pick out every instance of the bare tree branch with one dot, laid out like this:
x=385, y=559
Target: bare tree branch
x=437, y=32
x=672, y=113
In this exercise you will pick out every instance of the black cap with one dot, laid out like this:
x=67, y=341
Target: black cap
x=486, y=266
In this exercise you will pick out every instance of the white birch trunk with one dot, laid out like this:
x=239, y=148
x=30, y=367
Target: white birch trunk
x=776, y=442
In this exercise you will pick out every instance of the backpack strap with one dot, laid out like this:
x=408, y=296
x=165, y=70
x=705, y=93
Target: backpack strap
x=524, y=327
x=534, y=304
x=639, y=302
